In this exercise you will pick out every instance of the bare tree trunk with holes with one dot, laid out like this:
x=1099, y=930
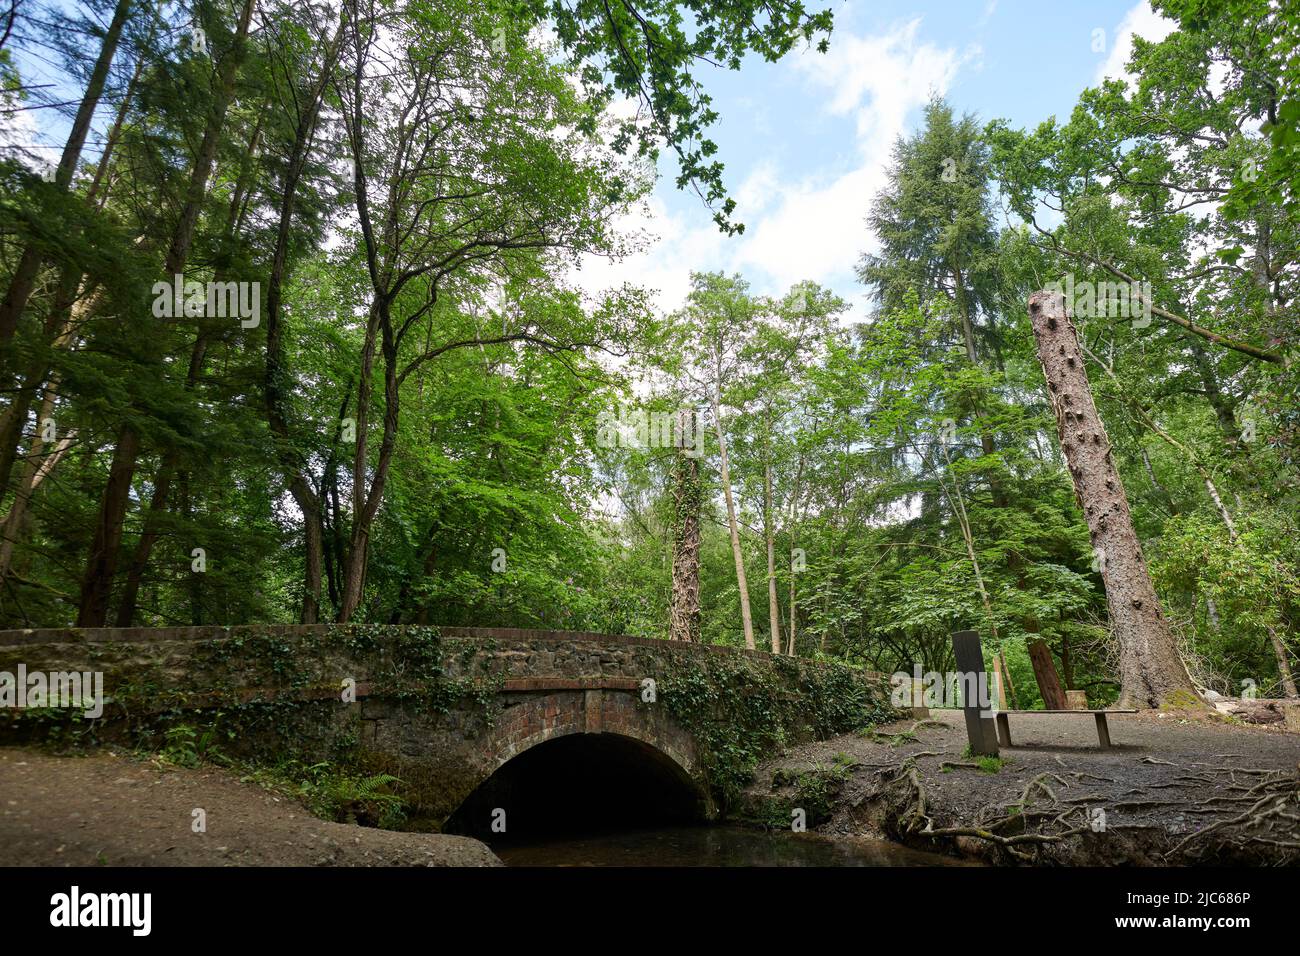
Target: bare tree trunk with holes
x=1151, y=672
x=688, y=498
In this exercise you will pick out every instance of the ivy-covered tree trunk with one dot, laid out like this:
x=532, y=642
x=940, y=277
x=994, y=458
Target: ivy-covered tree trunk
x=1151, y=672
x=688, y=497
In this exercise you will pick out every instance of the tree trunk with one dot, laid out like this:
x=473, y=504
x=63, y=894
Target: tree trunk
x=274, y=383
x=688, y=497
x=40, y=462
x=794, y=521
x=1049, y=685
x=23, y=280
x=1000, y=675
x=773, y=608
x=746, y=618
x=148, y=538
x=163, y=477
x=178, y=252
x=1283, y=663
x=97, y=583
x=1151, y=672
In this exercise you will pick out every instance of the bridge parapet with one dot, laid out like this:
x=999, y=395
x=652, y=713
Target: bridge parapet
x=443, y=708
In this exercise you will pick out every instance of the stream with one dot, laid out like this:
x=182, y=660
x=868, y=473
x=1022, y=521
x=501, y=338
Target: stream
x=711, y=846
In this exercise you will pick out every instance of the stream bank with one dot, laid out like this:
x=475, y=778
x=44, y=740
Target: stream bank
x=1175, y=789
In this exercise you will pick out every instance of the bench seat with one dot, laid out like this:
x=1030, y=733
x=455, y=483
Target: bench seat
x=1103, y=732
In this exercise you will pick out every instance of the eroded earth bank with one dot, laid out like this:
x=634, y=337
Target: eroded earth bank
x=1174, y=789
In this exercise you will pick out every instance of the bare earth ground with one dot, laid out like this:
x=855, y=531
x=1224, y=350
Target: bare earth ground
x=114, y=810
x=1175, y=789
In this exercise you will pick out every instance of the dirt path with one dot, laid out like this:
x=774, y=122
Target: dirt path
x=118, y=811
x=1173, y=790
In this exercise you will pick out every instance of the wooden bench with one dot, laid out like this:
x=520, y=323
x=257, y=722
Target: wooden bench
x=1103, y=732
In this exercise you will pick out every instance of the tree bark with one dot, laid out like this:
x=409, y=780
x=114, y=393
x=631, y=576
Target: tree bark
x=40, y=462
x=1049, y=685
x=746, y=618
x=274, y=383
x=773, y=607
x=794, y=520
x=97, y=582
x=1151, y=672
x=1283, y=663
x=688, y=496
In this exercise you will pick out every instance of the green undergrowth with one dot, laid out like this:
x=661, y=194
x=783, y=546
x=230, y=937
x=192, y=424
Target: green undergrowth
x=339, y=790
x=814, y=790
x=335, y=793
x=741, y=713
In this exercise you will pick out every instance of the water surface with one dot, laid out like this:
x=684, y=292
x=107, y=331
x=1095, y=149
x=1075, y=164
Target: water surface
x=712, y=846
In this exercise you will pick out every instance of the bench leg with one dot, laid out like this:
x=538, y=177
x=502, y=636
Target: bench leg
x=1004, y=730
x=1103, y=732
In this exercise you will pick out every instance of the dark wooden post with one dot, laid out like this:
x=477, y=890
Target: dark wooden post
x=1049, y=685
x=970, y=667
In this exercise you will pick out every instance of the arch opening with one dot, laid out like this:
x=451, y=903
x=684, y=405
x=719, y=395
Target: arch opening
x=579, y=784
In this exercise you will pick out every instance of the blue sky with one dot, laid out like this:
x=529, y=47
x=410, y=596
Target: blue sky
x=806, y=141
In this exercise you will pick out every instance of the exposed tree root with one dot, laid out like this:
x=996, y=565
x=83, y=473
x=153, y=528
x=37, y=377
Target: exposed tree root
x=1267, y=826
x=903, y=736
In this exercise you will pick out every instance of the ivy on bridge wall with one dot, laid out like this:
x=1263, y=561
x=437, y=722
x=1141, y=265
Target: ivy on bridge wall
x=272, y=692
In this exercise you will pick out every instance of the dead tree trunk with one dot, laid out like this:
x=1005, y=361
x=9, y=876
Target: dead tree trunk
x=1151, y=672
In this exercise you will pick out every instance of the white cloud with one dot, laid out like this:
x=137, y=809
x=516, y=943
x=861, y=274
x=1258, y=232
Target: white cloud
x=809, y=226
x=816, y=229
x=1142, y=21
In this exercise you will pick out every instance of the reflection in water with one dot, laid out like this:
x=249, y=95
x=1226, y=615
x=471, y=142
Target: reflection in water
x=713, y=846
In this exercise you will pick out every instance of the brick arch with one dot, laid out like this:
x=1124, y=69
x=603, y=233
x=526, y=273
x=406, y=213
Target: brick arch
x=539, y=718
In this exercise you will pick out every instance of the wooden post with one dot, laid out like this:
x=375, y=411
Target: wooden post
x=980, y=728
x=1049, y=685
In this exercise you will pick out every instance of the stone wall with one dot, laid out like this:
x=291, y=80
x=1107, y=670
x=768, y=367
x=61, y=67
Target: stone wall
x=439, y=708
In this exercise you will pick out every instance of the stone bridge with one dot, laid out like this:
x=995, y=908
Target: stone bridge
x=480, y=725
